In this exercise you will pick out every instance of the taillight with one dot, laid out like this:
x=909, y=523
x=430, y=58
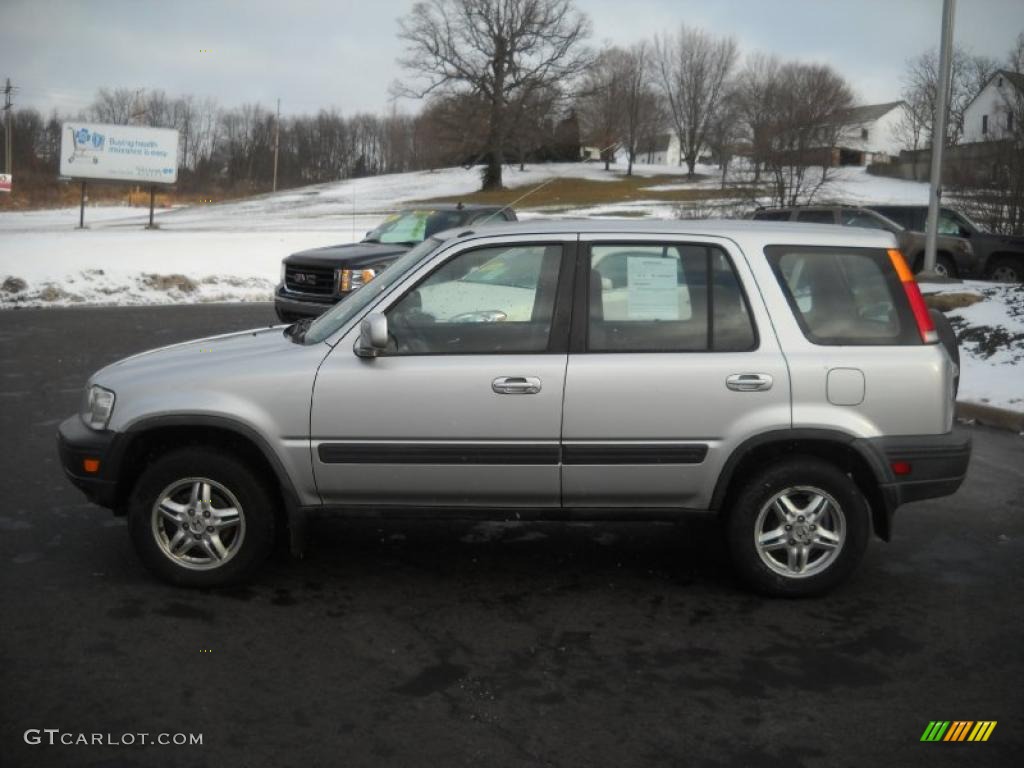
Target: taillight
x=924, y=321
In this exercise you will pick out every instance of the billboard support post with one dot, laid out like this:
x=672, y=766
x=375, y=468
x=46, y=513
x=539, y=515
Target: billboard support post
x=81, y=208
x=152, y=192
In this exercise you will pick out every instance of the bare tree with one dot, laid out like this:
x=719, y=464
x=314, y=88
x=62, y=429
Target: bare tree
x=969, y=74
x=496, y=49
x=755, y=90
x=113, y=106
x=693, y=67
x=601, y=101
x=809, y=102
x=644, y=113
x=725, y=129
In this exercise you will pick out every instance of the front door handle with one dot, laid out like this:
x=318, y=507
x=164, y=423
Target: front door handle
x=749, y=382
x=516, y=385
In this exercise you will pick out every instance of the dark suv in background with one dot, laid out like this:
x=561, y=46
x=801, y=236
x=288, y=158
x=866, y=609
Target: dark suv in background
x=313, y=281
x=1000, y=257
x=954, y=255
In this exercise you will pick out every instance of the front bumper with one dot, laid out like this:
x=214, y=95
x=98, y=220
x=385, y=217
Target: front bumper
x=76, y=443
x=290, y=304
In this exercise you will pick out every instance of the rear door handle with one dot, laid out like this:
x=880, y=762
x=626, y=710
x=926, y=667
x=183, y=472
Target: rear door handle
x=516, y=385
x=749, y=382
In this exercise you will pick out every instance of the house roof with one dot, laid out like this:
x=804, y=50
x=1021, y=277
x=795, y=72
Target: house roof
x=1016, y=79
x=869, y=112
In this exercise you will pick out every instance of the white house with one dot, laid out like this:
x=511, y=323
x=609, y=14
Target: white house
x=869, y=134
x=662, y=149
x=988, y=116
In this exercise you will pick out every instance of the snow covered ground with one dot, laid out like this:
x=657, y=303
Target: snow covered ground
x=232, y=251
x=991, y=333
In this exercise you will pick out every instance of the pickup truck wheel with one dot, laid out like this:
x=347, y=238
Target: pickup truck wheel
x=199, y=518
x=1006, y=269
x=944, y=265
x=797, y=528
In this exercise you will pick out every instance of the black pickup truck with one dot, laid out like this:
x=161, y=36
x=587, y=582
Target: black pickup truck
x=313, y=281
x=1000, y=257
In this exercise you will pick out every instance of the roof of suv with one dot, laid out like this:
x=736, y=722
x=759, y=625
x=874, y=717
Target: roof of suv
x=453, y=207
x=780, y=232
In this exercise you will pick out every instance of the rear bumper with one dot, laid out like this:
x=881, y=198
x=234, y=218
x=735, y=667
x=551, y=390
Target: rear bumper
x=934, y=465
x=75, y=443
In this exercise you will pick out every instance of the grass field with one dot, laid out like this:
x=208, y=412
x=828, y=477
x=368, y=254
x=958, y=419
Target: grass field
x=576, y=192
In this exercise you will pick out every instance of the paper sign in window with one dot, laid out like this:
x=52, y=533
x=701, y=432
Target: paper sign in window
x=654, y=290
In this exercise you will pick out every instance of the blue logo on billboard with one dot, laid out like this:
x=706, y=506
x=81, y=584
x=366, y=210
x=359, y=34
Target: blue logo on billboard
x=86, y=143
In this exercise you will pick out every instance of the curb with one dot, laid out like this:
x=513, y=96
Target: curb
x=990, y=416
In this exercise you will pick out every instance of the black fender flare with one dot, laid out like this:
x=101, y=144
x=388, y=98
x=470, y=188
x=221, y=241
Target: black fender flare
x=883, y=503
x=293, y=509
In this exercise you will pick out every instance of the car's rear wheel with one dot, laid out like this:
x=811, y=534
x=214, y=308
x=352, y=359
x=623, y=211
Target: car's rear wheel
x=797, y=528
x=1006, y=269
x=199, y=518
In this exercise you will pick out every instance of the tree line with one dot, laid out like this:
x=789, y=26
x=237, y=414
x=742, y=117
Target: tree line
x=516, y=81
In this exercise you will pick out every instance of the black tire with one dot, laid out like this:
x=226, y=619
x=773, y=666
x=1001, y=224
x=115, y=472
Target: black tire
x=944, y=265
x=794, y=476
x=151, y=532
x=1006, y=269
x=947, y=336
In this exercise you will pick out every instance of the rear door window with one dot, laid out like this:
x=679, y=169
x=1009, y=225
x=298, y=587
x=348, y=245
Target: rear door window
x=816, y=217
x=844, y=296
x=659, y=298
x=772, y=215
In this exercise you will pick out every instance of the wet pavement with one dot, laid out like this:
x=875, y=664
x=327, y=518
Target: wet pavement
x=420, y=643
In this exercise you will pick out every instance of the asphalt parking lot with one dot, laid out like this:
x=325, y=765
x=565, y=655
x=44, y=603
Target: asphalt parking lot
x=422, y=644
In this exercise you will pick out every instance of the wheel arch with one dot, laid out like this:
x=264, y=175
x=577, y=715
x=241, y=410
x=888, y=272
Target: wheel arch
x=844, y=451
x=149, y=438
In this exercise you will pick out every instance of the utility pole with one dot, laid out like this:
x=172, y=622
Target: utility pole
x=939, y=135
x=277, y=140
x=8, y=110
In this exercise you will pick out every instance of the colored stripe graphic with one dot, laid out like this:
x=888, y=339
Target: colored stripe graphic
x=935, y=730
x=982, y=730
x=958, y=730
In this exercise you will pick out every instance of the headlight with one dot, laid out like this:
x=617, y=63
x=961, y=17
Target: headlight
x=350, y=279
x=99, y=405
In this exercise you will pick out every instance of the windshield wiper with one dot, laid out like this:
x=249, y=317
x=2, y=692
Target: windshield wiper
x=297, y=331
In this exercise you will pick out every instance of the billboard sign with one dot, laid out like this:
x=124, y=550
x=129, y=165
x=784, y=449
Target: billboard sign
x=6, y=180
x=119, y=153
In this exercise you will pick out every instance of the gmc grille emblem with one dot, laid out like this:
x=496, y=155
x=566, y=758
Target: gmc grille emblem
x=304, y=277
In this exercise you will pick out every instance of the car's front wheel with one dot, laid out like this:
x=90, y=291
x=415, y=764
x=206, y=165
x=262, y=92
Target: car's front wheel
x=797, y=528
x=199, y=518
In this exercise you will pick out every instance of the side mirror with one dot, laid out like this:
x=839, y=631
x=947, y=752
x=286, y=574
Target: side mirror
x=373, y=335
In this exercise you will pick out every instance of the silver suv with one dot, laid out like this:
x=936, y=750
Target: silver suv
x=786, y=377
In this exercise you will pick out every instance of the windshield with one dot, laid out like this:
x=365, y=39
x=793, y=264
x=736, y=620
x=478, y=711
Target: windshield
x=353, y=304
x=414, y=226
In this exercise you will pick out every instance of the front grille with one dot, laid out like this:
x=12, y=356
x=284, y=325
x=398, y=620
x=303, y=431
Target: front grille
x=318, y=280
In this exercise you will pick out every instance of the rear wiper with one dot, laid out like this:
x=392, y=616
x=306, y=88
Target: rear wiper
x=297, y=330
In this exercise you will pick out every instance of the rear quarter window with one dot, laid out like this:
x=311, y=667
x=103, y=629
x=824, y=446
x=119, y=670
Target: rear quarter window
x=844, y=296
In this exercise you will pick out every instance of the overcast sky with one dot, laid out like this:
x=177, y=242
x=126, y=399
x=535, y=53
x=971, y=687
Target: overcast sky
x=341, y=53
